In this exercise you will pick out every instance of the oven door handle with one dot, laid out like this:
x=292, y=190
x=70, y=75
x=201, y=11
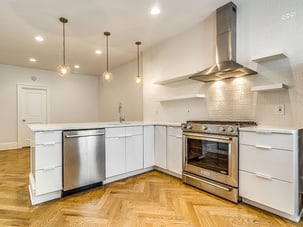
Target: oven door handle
x=211, y=138
x=210, y=183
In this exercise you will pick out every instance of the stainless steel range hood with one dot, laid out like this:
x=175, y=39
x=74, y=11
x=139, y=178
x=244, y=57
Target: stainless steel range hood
x=227, y=67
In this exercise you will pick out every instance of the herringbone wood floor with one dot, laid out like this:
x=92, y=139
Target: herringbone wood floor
x=151, y=199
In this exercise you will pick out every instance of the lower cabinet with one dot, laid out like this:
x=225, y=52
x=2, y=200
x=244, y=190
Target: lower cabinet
x=174, y=150
x=160, y=146
x=149, y=146
x=124, y=150
x=134, y=152
x=45, y=177
x=268, y=170
x=114, y=156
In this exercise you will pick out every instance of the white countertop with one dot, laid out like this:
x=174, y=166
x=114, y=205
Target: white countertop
x=270, y=128
x=92, y=125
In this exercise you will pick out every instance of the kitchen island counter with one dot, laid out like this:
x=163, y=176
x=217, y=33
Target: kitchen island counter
x=93, y=125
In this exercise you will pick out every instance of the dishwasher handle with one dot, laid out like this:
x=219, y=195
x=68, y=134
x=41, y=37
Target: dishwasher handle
x=84, y=135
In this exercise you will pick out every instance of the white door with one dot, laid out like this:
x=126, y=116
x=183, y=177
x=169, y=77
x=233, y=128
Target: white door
x=33, y=110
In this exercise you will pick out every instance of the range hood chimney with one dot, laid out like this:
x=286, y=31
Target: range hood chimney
x=226, y=67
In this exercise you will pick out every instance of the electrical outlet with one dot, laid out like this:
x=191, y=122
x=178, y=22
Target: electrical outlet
x=280, y=109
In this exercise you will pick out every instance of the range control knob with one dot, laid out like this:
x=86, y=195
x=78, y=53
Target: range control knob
x=189, y=127
x=231, y=129
x=204, y=127
x=222, y=129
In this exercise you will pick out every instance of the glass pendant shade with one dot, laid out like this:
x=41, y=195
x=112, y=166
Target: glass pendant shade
x=107, y=76
x=138, y=80
x=63, y=70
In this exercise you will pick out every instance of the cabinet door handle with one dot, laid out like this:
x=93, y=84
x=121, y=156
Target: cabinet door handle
x=263, y=147
x=267, y=177
x=48, y=144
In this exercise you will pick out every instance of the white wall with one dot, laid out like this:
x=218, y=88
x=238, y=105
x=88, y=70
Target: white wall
x=73, y=99
x=263, y=27
x=121, y=89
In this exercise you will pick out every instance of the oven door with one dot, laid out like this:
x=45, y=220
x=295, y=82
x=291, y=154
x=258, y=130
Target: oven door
x=211, y=156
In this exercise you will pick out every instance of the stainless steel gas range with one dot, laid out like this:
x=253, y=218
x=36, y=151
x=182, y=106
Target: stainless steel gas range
x=210, y=156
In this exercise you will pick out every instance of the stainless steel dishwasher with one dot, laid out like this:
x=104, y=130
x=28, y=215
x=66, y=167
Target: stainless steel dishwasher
x=83, y=159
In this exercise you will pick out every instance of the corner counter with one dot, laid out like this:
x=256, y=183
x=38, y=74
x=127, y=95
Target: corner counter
x=130, y=149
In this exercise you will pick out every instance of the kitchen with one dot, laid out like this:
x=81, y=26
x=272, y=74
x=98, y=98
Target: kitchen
x=274, y=31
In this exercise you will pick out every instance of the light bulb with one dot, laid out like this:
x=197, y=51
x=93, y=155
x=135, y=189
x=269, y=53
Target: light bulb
x=63, y=70
x=107, y=76
x=155, y=10
x=138, y=80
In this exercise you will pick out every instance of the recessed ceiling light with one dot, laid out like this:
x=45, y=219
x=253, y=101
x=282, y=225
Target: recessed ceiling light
x=39, y=38
x=98, y=52
x=155, y=10
x=32, y=60
x=77, y=66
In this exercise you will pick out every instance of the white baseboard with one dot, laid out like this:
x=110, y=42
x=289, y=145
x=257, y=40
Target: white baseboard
x=8, y=146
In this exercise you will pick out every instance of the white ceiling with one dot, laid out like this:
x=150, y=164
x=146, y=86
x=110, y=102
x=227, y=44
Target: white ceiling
x=127, y=20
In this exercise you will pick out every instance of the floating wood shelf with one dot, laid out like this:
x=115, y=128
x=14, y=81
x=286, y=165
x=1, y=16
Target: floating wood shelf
x=175, y=98
x=270, y=87
x=271, y=57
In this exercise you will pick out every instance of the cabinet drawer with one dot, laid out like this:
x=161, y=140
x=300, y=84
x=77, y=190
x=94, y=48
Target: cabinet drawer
x=273, y=193
x=174, y=131
x=47, y=156
x=267, y=162
x=48, y=180
x=49, y=137
x=268, y=139
x=132, y=131
x=114, y=132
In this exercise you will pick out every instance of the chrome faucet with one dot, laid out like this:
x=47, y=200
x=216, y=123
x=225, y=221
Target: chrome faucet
x=121, y=119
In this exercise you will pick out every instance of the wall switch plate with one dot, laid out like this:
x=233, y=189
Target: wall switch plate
x=280, y=109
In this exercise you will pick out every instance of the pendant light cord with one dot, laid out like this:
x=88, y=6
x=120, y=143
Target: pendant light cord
x=63, y=43
x=138, y=59
x=107, y=53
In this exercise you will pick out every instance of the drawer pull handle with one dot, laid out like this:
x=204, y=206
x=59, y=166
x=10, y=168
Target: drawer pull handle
x=263, y=176
x=263, y=132
x=263, y=147
x=179, y=137
x=48, y=144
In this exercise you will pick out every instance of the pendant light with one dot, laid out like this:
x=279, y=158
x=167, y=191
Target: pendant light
x=107, y=76
x=138, y=78
x=63, y=70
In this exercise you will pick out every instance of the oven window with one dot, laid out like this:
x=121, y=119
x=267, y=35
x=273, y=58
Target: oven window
x=208, y=155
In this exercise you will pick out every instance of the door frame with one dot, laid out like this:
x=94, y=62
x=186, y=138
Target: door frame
x=20, y=87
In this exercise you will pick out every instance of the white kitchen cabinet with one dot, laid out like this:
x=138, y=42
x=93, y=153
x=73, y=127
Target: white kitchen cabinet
x=149, y=146
x=269, y=170
x=114, y=151
x=46, y=166
x=160, y=146
x=134, y=148
x=174, y=150
x=114, y=156
x=123, y=150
